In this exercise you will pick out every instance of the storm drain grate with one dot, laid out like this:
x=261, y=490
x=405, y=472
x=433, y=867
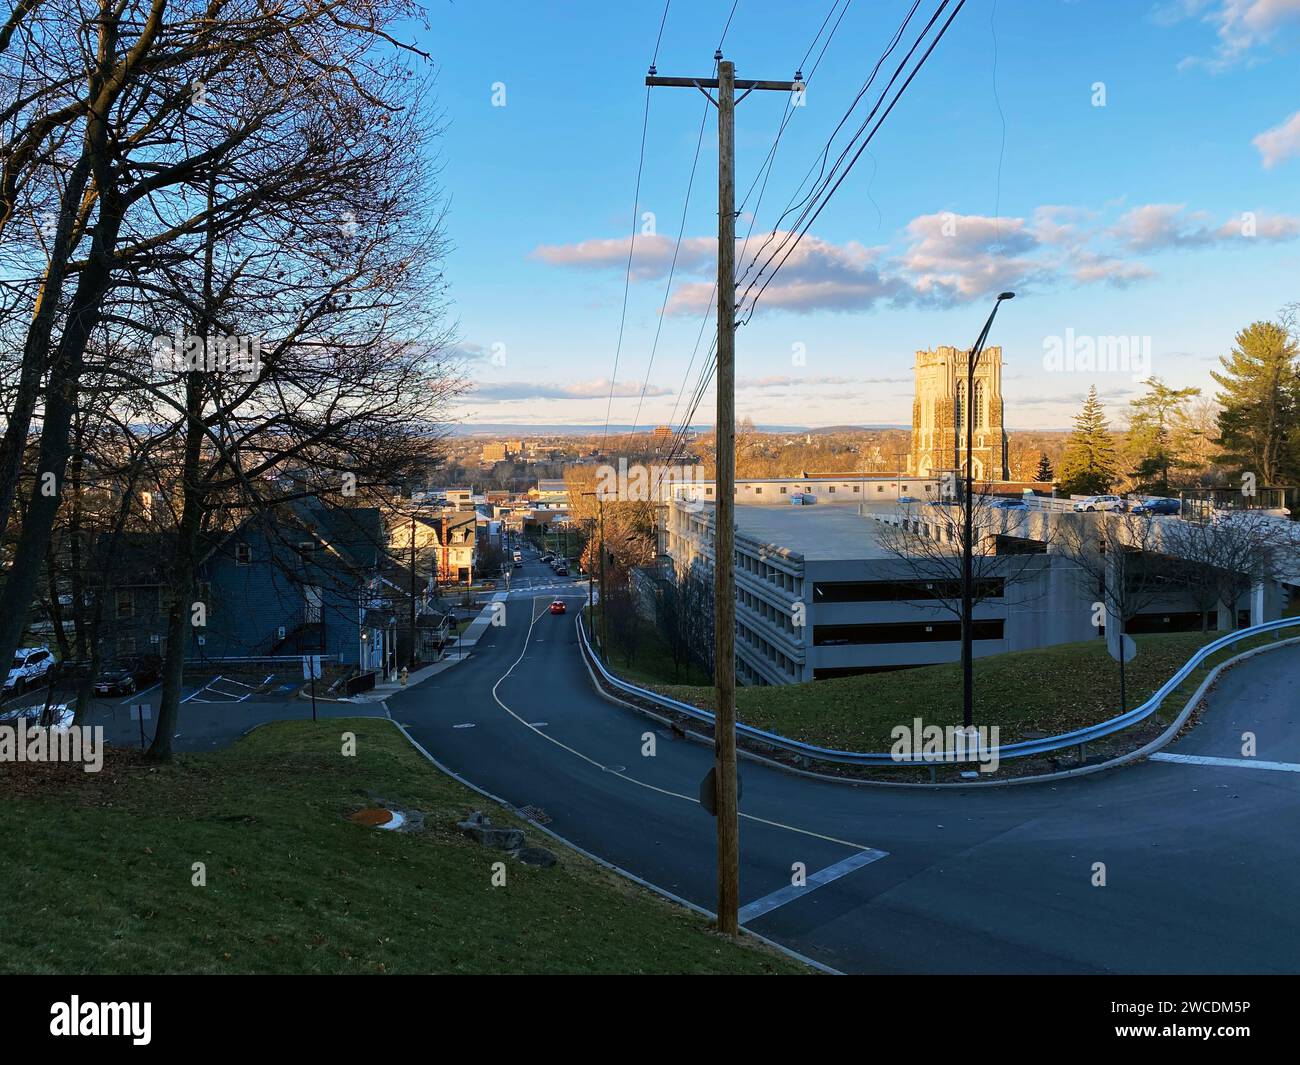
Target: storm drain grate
x=535, y=814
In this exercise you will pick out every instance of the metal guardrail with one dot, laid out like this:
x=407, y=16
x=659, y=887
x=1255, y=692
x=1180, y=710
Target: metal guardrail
x=1013, y=750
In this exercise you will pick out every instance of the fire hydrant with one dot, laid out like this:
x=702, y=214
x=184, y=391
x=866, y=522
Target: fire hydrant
x=402, y=679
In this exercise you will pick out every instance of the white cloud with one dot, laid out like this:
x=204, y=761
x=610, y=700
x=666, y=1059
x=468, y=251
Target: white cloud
x=1242, y=26
x=510, y=390
x=1279, y=143
x=1160, y=226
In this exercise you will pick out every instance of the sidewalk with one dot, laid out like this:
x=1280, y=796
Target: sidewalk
x=457, y=651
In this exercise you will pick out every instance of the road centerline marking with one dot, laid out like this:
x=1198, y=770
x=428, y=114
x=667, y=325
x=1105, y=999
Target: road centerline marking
x=768, y=903
x=534, y=617
x=1231, y=763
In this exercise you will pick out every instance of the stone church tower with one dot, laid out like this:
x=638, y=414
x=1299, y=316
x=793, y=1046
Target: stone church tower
x=939, y=415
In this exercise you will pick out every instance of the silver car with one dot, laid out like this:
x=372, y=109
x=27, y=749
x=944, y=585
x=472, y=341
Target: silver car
x=1091, y=503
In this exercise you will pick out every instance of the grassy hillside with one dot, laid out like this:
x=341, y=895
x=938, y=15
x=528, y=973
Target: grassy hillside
x=1045, y=691
x=96, y=876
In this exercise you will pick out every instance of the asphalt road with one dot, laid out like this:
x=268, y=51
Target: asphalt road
x=1201, y=869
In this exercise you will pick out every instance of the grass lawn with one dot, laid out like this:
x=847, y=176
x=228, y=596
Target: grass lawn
x=1045, y=691
x=652, y=665
x=96, y=876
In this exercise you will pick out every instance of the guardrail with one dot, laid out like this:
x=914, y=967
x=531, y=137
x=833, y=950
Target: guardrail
x=1024, y=748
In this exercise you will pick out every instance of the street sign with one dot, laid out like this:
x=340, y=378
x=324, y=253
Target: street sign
x=1130, y=648
x=141, y=712
x=311, y=667
x=709, y=790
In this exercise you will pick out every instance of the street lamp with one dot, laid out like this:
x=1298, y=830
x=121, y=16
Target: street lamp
x=967, y=554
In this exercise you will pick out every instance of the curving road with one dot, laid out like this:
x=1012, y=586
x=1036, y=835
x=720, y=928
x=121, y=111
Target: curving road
x=1201, y=860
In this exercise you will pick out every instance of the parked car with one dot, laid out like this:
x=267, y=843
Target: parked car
x=908, y=499
x=1091, y=503
x=557, y=606
x=561, y=571
x=128, y=675
x=31, y=664
x=1158, y=505
x=547, y=557
x=1008, y=504
x=61, y=715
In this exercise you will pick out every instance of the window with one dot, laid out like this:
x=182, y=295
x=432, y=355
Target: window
x=784, y=489
x=758, y=491
x=126, y=645
x=896, y=591
x=903, y=632
x=126, y=603
x=243, y=554
x=831, y=488
x=311, y=604
x=857, y=488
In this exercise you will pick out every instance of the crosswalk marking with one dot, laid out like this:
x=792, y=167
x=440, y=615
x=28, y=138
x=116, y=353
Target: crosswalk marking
x=1231, y=763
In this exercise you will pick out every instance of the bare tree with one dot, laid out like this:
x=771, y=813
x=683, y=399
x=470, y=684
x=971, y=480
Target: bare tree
x=1227, y=554
x=1116, y=559
x=117, y=146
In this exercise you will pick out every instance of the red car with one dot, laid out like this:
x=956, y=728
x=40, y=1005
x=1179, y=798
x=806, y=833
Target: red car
x=557, y=607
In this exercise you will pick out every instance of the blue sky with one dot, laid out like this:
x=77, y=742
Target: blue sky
x=1169, y=214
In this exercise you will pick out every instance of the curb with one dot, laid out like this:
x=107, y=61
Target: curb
x=1065, y=774
x=661, y=892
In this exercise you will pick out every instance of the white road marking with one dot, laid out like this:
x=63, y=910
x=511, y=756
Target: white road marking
x=1231, y=763
x=780, y=897
x=633, y=780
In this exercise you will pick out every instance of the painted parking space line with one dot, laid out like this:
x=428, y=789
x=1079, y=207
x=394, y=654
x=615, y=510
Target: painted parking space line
x=1231, y=763
x=831, y=873
x=202, y=689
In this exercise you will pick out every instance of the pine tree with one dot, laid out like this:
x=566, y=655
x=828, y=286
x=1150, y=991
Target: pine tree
x=1158, y=425
x=1260, y=397
x=1044, y=472
x=1088, y=465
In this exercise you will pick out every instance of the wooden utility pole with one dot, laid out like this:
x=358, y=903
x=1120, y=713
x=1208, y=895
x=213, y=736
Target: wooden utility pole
x=411, y=663
x=724, y=537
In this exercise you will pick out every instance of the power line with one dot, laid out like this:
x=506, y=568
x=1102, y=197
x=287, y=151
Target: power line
x=645, y=382
x=824, y=197
x=764, y=169
x=803, y=227
x=631, y=247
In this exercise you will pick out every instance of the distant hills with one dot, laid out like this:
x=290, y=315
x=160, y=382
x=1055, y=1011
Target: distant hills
x=497, y=429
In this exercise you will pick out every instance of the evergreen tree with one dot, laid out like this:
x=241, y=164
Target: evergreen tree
x=1159, y=426
x=1088, y=465
x=1044, y=472
x=1259, y=425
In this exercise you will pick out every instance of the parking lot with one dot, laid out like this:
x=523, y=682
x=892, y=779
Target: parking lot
x=215, y=707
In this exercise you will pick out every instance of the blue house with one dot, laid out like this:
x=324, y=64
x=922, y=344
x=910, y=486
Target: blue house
x=300, y=579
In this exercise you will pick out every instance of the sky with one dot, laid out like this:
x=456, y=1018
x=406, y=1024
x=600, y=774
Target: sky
x=1130, y=168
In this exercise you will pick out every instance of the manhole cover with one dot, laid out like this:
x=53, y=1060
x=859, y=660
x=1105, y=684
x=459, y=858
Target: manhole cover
x=535, y=814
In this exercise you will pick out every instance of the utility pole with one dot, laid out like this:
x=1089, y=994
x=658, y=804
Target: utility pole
x=724, y=577
x=968, y=523
x=604, y=607
x=411, y=664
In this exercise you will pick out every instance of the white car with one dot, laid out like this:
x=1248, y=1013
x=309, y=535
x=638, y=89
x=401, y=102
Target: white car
x=29, y=669
x=1100, y=503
